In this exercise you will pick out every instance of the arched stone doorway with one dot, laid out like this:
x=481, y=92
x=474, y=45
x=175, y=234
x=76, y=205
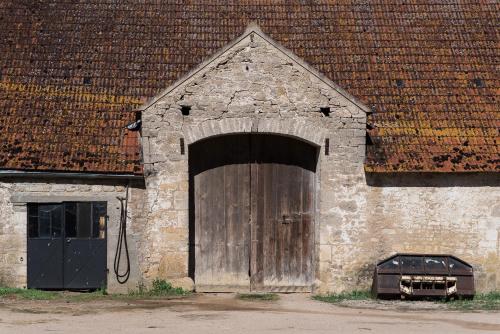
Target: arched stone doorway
x=252, y=213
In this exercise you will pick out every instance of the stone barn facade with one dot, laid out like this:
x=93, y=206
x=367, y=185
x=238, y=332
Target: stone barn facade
x=252, y=172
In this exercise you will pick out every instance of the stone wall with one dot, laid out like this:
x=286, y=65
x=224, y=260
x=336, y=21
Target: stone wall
x=15, y=193
x=381, y=214
x=12, y=241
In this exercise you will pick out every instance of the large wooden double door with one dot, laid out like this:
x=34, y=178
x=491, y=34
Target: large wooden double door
x=252, y=213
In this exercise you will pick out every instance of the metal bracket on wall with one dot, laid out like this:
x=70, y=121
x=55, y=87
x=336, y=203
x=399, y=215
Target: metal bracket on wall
x=181, y=143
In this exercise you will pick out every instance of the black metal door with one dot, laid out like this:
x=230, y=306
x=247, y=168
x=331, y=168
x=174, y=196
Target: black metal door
x=84, y=264
x=85, y=245
x=45, y=246
x=73, y=256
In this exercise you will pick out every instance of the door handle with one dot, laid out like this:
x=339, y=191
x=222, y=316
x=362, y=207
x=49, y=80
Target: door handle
x=292, y=218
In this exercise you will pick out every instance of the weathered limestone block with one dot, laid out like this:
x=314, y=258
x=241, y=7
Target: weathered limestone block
x=172, y=265
x=185, y=283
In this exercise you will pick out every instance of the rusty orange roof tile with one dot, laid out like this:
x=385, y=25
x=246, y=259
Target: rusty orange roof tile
x=73, y=72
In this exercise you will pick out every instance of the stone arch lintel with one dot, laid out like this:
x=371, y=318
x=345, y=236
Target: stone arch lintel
x=299, y=129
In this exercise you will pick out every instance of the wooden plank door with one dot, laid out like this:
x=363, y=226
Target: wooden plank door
x=282, y=211
x=253, y=203
x=220, y=170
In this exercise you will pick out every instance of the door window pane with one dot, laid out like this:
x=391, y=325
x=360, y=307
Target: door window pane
x=56, y=220
x=70, y=223
x=32, y=221
x=79, y=220
x=44, y=215
x=49, y=221
x=84, y=220
x=99, y=220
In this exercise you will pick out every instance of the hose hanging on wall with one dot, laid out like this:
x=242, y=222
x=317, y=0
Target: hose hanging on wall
x=122, y=241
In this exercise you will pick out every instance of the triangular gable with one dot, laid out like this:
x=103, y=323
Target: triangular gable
x=254, y=31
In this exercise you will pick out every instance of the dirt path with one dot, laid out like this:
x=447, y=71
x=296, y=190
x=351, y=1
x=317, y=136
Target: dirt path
x=225, y=314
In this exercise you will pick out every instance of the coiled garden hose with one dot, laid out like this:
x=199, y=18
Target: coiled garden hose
x=122, y=278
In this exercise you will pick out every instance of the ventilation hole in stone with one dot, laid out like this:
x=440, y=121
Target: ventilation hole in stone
x=325, y=111
x=327, y=146
x=185, y=110
x=181, y=144
x=478, y=83
x=246, y=67
x=400, y=83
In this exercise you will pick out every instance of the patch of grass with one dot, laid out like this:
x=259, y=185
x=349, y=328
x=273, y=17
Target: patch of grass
x=481, y=301
x=164, y=288
x=339, y=297
x=258, y=296
x=88, y=296
x=28, y=293
x=160, y=288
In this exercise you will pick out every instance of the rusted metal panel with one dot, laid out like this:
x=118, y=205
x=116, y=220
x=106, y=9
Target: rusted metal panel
x=423, y=275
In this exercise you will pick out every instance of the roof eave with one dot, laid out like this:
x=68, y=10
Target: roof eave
x=9, y=173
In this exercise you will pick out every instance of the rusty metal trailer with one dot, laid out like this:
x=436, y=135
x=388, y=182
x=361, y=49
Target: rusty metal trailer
x=423, y=275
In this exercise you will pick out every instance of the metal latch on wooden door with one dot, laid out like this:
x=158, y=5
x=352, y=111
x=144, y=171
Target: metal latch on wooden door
x=293, y=218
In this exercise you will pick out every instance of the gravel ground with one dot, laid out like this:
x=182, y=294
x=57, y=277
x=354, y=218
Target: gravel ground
x=224, y=313
x=398, y=305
